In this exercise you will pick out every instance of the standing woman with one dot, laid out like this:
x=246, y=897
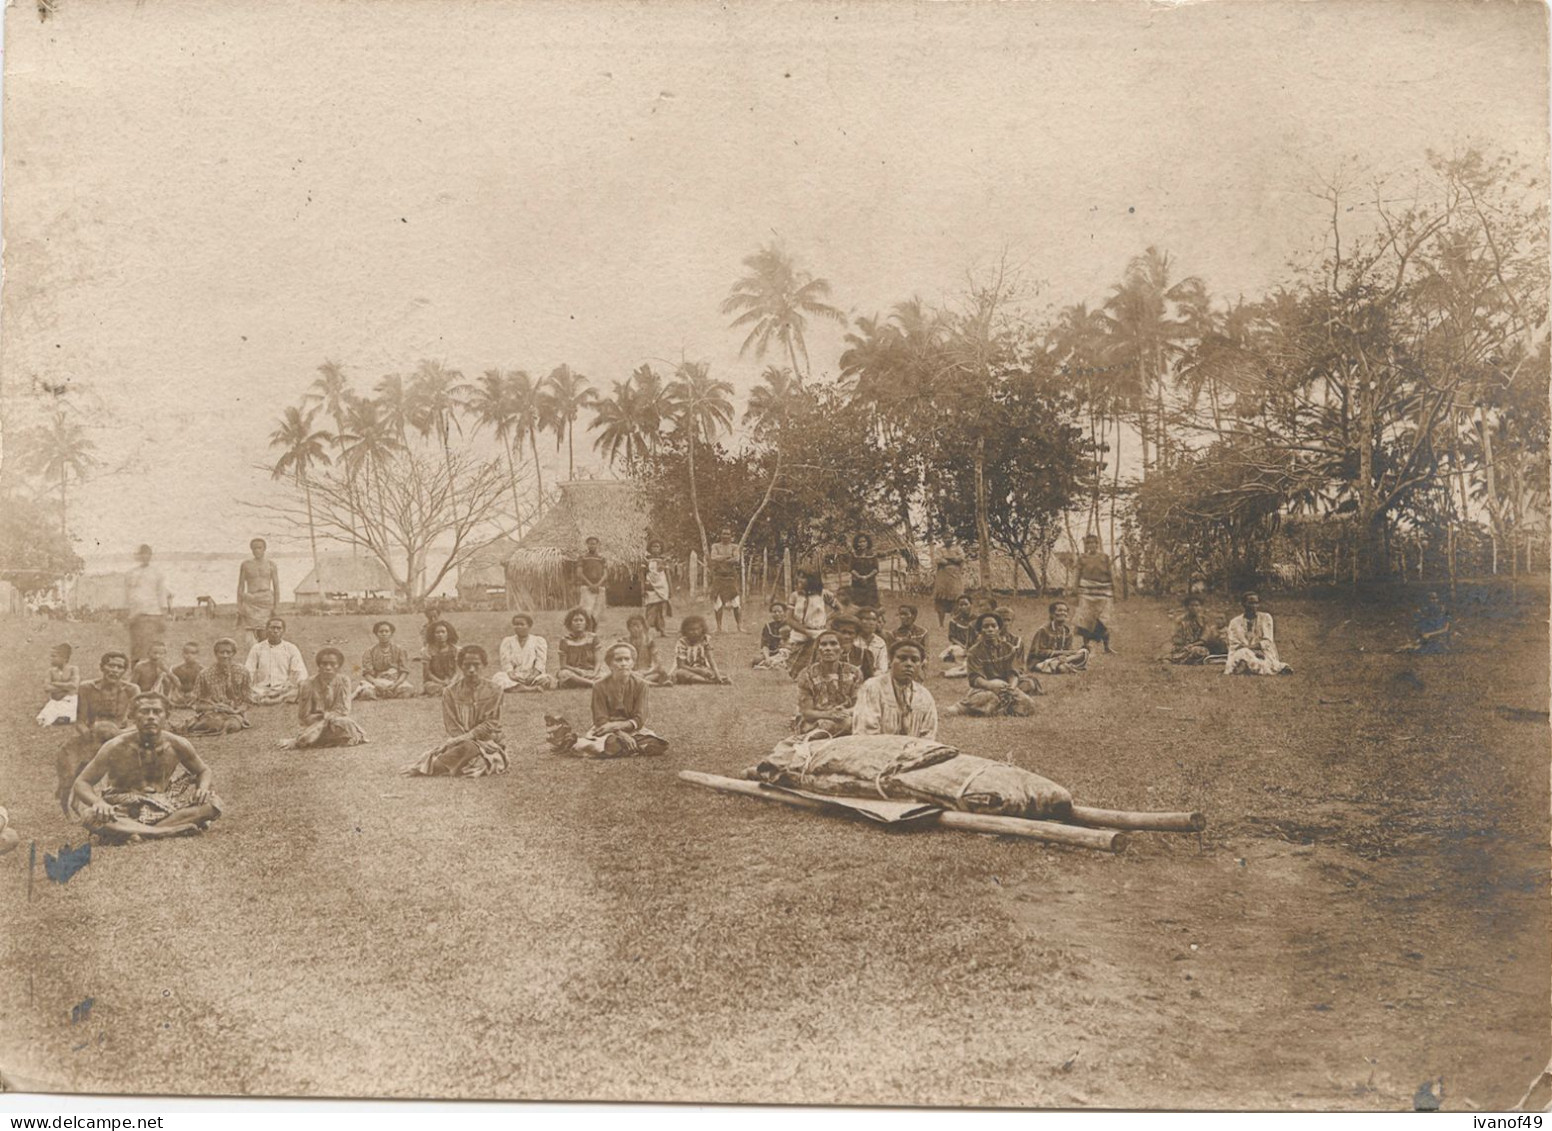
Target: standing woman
x=258, y=590
x=657, y=605
x=864, y=573
x=471, y=716
x=807, y=614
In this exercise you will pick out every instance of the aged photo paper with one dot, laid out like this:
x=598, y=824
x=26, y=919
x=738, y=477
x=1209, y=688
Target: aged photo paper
x=900, y=553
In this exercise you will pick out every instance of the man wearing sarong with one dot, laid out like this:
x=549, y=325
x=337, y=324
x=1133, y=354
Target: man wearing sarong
x=948, y=583
x=276, y=670
x=896, y=701
x=724, y=569
x=385, y=667
x=323, y=708
x=997, y=685
x=103, y=707
x=1054, y=650
x=220, y=694
x=471, y=717
x=1096, y=593
x=145, y=605
x=147, y=783
x=592, y=579
x=1252, y=651
x=523, y=658
x=258, y=590
x=1195, y=637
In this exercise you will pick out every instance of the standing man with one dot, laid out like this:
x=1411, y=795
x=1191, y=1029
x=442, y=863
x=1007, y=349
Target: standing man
x=725, y=569
x=592, y=575
x=275, y=667
x=1096, y=593
x=145, y=604
x=258, y=590
x=948, y=583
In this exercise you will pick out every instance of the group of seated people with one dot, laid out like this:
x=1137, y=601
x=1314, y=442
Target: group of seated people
x=1245, y=646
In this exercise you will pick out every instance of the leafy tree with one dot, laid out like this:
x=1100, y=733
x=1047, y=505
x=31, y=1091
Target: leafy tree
x=490, y=402
x=701, y=408
x=59, y=450
x=567, y=393
x=302, y=447
x=37, y=554
x=775, y=299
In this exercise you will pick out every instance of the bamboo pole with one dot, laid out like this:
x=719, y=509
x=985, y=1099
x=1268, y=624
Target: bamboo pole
x=1051, y=832
x=1147, y=822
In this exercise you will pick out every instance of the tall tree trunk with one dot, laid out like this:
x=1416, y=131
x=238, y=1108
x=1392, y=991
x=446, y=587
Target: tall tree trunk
x=533, y=443
x=571, y=449
x=64, y=509
x=1115, y=492
x=982, y=531
x=695, y=506
x=312, y=534
x=517, y=510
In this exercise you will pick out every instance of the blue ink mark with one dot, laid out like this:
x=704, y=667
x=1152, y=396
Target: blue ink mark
x=83, y=1011
x=69, y=861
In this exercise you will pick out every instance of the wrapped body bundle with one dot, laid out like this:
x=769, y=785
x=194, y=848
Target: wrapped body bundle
x=913, y=769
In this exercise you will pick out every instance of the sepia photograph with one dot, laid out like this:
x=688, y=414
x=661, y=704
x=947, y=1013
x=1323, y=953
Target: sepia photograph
x=896, y=554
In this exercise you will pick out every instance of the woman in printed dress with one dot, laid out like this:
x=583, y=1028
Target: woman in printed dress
x=998, y=686
x=385, y=667
x=827, y=691
x=693, y=660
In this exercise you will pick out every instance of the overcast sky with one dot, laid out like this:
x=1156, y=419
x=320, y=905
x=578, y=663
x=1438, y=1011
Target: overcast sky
x=205, y=200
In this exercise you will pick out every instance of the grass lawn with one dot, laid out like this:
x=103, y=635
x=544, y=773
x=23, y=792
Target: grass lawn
x=1368, y=911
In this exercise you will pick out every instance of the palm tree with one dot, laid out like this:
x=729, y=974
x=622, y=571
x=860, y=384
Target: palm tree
x=652, y=404
x=58, y=450
x=700, y=408
x=1078, y=345
x=567, y=393
x=301, y=446
x=530, y=408
x=489, y=401
x=775, y=299
x=330, y=391
x=368, y=439
x=393, y=398
x=617, y=420
x=770, y=404
x=434, y=406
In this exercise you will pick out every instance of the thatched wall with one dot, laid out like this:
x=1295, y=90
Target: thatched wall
x=540, y=573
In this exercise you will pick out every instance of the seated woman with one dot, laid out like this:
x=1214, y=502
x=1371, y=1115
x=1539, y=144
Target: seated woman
x=220, y=694
x=827, y=691
x=323, y=708
x=385, y=667
x=619, y=713
x=471, y=716
x=693, y=661
x=639, y=636
x=959, y=629
x=579, y=666
x=439, y=662
x=1194, y=639
x=807, y=616
x=1055, y=649
x=774, y=634
x=997, y=686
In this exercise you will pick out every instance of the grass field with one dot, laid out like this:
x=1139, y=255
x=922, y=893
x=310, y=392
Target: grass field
x=1368, y=910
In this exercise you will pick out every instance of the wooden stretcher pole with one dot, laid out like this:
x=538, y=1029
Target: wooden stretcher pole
x=1051, y=832
x=1146, y=822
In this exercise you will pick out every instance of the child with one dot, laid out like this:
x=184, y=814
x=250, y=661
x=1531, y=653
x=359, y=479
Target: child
x=439, y=661
x=655, y=591
x=579, y=666
x=640, y=638
x=61, y=684
x=185, y=675
x=774, y=636
x=909, y=629
x=323, y=707
x=960, y=626
x=619, y=712
x=385, y=667
x=152, y=673
x=870, y=640
x=693, y=661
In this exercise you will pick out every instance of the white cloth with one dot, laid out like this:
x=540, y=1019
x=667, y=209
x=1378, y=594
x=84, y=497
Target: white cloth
x=56, y=710
x=878, y=711
x=145, y=593
x=524, y=662
x=272, y=667
x=811, y=612
x=879, y=650
x=1252, y=649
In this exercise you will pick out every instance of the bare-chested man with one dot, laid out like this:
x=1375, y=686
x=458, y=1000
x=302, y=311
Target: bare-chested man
x=146, y=783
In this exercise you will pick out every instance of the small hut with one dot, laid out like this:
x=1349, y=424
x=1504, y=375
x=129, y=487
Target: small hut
x=541, y=570
x=341, y=579
x=482, y=578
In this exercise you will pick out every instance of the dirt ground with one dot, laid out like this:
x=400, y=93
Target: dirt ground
x=1367, y=912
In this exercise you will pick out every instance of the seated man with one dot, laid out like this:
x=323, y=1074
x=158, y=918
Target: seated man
x=146, y=783
x=908, y=629
x=1195, y=638
x=1054, y=649
x=102, y=711
x=185, y=675
x=872, y=640
x=523, y=657
x=1432, y=624
x=896, y=701
x=152, y=673
x=1252, y=651
x=275, y=667
x=997, y=686
x=220, y=694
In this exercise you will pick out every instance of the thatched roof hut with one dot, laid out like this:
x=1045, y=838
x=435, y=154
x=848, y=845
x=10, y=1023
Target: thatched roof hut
x=343, y=577
x=482, y=578
x=540, y=571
